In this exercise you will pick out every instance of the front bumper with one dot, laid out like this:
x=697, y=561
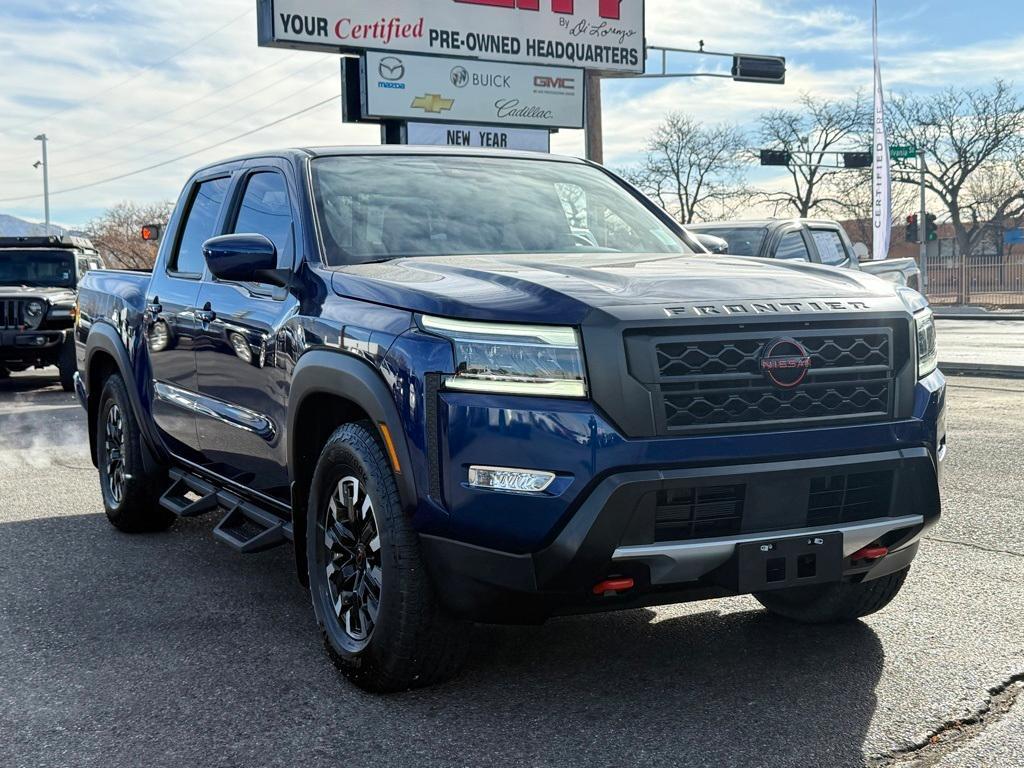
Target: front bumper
x=512, y=557
x=31, y=346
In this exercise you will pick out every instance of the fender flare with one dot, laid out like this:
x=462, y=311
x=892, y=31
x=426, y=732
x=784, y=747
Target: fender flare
x=335, y=373
x=103, y=337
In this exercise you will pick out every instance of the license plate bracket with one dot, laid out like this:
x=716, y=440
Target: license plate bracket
x=791, y=562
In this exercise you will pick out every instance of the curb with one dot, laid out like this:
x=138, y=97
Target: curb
x=978, y=316
x=983, y=369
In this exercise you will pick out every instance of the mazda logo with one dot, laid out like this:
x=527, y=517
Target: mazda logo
x=391, y=68
x=785, y=363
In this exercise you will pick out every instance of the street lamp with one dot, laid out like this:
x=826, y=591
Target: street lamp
x=46, y=180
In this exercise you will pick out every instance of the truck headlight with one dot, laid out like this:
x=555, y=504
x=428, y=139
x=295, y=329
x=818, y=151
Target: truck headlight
x=513, y=359
x=927, y=348
x=34, y=311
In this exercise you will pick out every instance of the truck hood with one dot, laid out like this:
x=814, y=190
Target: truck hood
x=565, y=288
x=51, y=294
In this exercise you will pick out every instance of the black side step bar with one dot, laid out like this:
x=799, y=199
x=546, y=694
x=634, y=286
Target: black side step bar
x=245, y=527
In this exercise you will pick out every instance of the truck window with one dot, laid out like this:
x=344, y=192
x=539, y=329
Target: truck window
x=830, y=247
x=199, y=226
x=378, y=208
x=793, y=248
x=743, y=241
x=265, y=210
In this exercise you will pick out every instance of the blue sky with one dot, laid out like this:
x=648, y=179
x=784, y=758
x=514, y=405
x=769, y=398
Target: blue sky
x=121, y=85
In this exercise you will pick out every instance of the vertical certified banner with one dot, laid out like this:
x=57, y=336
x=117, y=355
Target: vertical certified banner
x=881, y=181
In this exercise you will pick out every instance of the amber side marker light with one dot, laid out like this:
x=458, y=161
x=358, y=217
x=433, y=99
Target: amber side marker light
x=390, y=445
x=151, y=233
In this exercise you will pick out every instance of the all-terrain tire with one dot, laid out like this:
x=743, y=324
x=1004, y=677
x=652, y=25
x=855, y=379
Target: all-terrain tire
x=834, y=603
x=132, y=499
x=67, y=365
x=412, y=642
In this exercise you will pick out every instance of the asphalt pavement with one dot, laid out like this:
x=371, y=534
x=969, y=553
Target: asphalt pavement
x=170, y=650
x=979, y=345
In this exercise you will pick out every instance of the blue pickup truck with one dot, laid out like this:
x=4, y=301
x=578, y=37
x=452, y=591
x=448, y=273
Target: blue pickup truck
x=499, y=387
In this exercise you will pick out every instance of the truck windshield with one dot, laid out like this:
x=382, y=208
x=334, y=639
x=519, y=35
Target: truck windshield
x=50, y=269
x=743, y=241
x=383, y=207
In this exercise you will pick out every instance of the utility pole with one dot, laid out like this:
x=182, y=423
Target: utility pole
x=46, y=180
x=592, y=119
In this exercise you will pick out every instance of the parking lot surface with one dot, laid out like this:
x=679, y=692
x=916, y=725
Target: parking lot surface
x=169, y=650
x=996, y=343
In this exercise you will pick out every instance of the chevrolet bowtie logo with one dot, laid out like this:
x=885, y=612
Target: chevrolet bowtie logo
x=433, y=102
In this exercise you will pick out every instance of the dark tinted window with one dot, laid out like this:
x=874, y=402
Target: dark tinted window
x=265, y=211
x=199, y=226
x=743, y=241
x=793, y=248
x=37, y=268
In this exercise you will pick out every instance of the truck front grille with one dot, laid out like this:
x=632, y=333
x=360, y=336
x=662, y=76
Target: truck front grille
x=11, y=314
x=714, y=382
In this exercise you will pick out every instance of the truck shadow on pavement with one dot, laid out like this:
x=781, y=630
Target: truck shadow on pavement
x=169, y=650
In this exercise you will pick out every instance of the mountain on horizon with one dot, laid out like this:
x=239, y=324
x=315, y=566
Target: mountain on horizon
x=12, y=226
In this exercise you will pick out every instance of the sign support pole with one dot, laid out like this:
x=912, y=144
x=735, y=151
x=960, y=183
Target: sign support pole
x=595, y=137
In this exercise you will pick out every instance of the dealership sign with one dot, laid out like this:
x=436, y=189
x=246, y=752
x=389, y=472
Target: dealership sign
x=490, y=137
x=404, y=87
x=602, y=35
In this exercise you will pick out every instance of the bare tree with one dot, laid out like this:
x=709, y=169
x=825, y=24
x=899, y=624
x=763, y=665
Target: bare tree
x=819, y=127
x=972, y=141
x=694, y=172
x=117, y=233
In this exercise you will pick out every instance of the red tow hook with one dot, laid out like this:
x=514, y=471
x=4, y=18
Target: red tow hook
x=613, y=586
x=870, y=553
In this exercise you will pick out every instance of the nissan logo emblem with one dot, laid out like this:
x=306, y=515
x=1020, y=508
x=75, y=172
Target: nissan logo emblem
x=785, y=363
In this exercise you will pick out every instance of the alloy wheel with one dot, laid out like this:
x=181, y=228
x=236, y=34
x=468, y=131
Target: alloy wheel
x=114, y=443
x=353, y=562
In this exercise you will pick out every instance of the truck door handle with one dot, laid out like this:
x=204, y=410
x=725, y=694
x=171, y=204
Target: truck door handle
x=206, y=315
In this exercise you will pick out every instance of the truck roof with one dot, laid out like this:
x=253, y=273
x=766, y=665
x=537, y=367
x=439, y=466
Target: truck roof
x=765, y=223
x=70, y=242
x=302, y=153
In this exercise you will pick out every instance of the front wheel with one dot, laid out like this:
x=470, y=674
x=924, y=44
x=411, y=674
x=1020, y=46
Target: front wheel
x=834, y=603
x=131, y=495
x=380, y=618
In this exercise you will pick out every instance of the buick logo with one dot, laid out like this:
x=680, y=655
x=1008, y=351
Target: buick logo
x=391, y=68
x=460, y=77
x=785, y=363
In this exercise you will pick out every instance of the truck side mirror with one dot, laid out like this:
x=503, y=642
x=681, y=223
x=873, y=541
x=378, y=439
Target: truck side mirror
x=247, y=258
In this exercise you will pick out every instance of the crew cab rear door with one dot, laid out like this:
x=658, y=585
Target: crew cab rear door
x=241, y=377
x=170, y=324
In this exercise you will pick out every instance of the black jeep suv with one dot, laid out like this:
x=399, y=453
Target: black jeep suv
x=38, y=288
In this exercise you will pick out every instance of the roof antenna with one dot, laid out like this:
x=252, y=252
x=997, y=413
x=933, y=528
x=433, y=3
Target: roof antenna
x=701, y=46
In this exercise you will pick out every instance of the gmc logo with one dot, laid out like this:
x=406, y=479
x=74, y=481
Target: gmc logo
x=554, y=83
x=608, y=9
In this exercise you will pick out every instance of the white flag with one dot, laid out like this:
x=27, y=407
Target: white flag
x=881, y=181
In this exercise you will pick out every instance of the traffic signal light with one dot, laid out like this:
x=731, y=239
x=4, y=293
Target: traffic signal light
x=758, y=69
x=932, y=227
x=775, y=157
x=857, y=159
x=912, y=229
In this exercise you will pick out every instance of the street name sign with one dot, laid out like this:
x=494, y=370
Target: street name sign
x=900, y=152
x=454, y=135
x=598, y=35
x=437, y=89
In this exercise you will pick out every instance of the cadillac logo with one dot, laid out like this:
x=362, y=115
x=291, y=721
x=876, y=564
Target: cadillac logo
x=785, y=363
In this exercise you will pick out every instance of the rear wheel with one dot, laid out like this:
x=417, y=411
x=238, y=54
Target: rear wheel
x=67, y=365
x=834, y=603
x=131, y=495
x=380, y=618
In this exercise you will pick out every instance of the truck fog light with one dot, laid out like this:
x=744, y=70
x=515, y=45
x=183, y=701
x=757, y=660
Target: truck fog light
x=506, y=479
